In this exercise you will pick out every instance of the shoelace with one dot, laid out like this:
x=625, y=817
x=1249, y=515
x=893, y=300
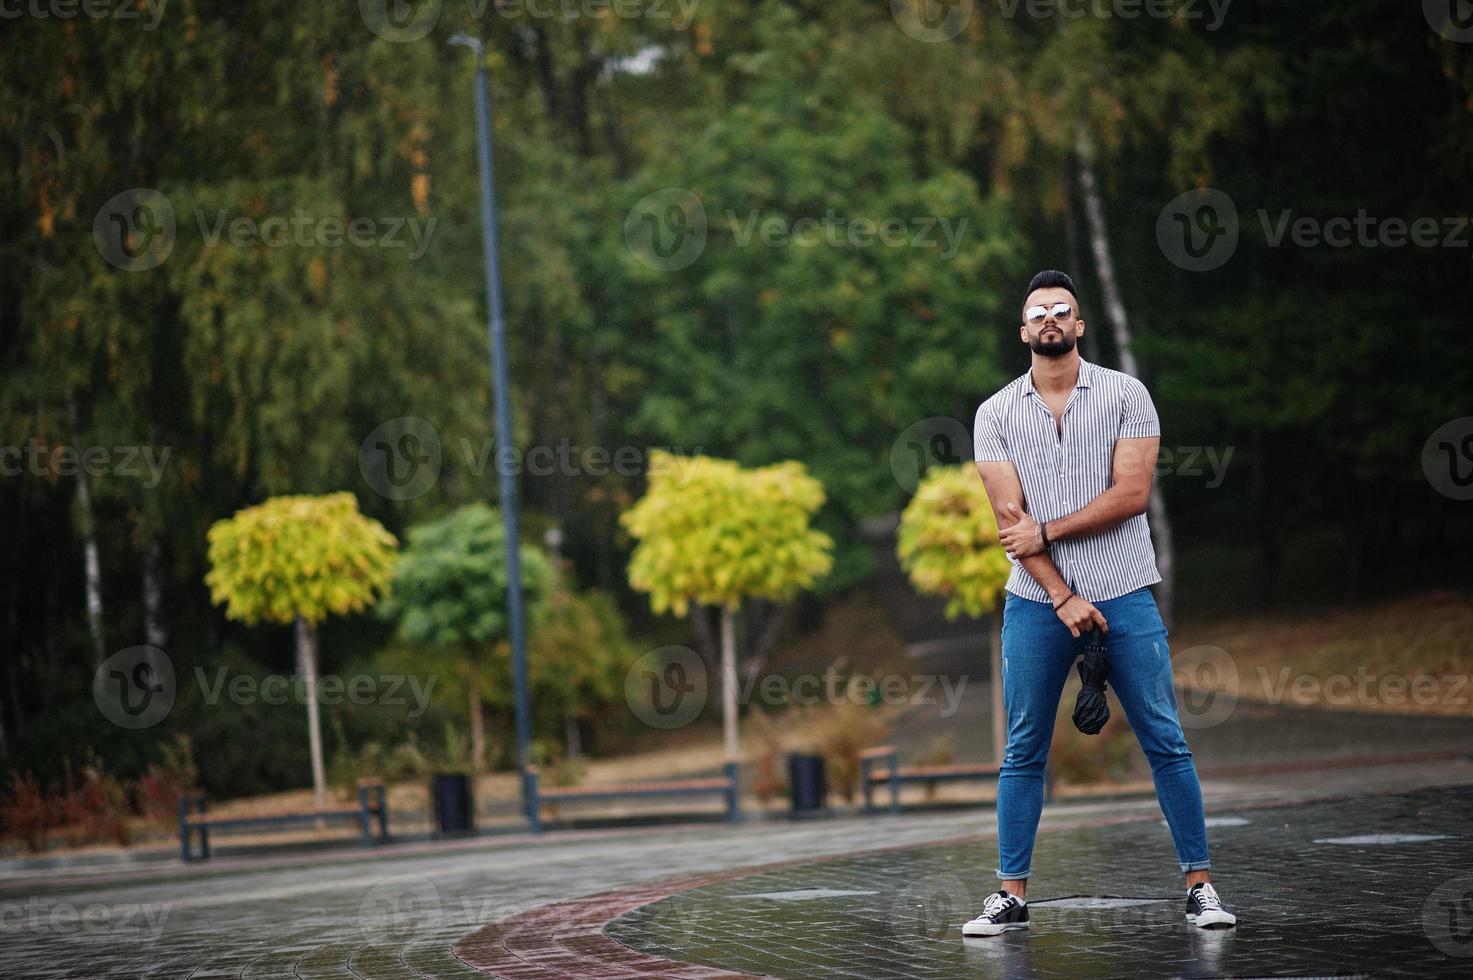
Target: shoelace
x=995, y=904
x=1207, y=898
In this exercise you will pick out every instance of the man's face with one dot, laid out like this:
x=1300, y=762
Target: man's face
x=1056, y=333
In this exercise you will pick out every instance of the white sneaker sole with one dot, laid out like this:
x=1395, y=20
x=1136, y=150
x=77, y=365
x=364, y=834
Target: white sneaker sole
x=1213, y=920
x=970, y=931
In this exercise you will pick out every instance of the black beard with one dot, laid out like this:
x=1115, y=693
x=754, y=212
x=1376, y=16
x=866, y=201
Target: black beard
x=1051, y=348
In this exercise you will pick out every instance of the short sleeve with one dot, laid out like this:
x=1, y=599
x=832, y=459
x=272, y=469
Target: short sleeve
x=987, y=441
x=1138, y=419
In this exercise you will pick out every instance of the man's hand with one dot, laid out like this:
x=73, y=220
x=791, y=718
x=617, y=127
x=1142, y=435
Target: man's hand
x=1080, y=615
x=1024, y=537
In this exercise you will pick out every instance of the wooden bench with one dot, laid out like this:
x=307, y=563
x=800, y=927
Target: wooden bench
x=881, y=765
x=725, y=785
x=371, y=808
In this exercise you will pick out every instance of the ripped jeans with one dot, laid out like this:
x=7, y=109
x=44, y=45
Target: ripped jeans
x=1038, y=653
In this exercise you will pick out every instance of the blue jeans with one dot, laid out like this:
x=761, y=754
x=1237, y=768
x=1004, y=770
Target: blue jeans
x=1038, y=652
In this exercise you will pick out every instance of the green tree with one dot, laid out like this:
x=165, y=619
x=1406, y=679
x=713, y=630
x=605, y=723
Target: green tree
x=449, y=593
x=715, y=534
x=300, y=559
x=579, y=654
x=947, y=544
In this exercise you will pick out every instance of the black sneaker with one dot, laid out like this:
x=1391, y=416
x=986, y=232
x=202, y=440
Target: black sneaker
x=1204, y=908
x=1003, y=912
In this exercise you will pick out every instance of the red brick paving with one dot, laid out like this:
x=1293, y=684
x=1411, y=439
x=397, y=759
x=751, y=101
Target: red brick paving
x=566, y=939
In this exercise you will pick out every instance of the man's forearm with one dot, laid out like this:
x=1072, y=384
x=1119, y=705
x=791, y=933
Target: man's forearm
x=1113, y=507
x=1042, y=568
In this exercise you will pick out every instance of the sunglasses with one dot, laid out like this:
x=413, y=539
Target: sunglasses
x=1059, y=311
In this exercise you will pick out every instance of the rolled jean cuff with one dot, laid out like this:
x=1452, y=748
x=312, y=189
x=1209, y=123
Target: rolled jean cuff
x=1020, y=876
x=1195, y=866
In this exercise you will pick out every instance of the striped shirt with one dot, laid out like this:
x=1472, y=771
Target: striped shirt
x=1062, y=475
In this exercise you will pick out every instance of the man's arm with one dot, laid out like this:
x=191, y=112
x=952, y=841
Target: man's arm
x=1005, y=493
x=1133, y=466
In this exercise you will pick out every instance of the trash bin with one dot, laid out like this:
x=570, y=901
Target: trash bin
x=807, y=785
x=452, y=804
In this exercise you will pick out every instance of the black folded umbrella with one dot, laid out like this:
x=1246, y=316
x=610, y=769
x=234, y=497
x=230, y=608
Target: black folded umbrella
x=1091, y=710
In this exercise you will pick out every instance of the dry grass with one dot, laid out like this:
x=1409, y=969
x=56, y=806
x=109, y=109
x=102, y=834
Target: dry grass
x=1411, y=655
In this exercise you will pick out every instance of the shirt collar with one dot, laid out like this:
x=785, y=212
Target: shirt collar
x=1085, y=379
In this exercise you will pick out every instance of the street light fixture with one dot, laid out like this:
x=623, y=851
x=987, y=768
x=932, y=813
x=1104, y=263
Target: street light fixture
x=501, y=397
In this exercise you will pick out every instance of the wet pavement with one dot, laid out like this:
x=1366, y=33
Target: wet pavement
x=1378, y=885
x=396, y=912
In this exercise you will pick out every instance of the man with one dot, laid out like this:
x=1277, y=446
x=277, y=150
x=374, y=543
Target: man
x=1067, y=453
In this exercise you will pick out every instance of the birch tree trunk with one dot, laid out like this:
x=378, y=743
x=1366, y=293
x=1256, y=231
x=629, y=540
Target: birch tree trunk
x=478, y=720
x=92, y=566
x=307, y=665
x=728, y=683
x=1099, y=239
x=1088, y=344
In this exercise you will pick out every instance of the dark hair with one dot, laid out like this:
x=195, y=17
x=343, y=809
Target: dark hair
x=1050, y=279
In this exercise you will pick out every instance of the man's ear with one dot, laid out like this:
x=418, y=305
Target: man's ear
x=1022, y=333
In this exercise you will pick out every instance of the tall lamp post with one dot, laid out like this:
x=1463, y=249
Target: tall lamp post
x=497, y=329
